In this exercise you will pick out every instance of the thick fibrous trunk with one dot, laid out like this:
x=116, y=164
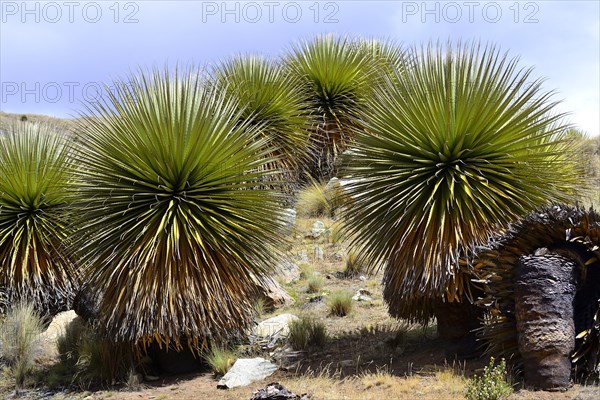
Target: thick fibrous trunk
x=456, y=323
x=545, y=286
x=87, y=303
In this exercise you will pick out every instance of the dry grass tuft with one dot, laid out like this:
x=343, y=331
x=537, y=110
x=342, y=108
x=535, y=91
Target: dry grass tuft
x=340, y=303
x=220, y=359
x=21, y=340
x=306, y=332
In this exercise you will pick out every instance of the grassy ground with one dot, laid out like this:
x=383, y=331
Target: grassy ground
x=368, y=355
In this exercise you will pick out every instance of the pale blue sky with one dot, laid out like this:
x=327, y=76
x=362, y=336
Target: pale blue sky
x=53, y=54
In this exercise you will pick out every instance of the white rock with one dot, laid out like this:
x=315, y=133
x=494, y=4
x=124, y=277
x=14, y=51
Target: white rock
x=317, y=229
x=362, y=295
x=278, y=325
x=56, y=329
x=245, y=371
x=59, y=324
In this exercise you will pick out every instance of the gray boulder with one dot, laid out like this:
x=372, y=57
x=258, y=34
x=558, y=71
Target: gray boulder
x=288, y=272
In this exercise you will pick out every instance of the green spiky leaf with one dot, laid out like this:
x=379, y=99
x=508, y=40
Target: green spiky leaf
x=36, y=172
x=451, y=150
x=337, y=74
x=272, y=99
x=177, y=233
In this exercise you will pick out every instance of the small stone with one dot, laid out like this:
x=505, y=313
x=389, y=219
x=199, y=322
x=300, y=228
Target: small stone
x=315, y=299
x=319, y=255
x=346, y=363
x=303, y=257
x=362, y=278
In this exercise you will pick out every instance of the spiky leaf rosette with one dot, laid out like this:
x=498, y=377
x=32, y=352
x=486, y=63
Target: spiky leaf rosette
x=456, y=147
x=386, y=58
x=176, y=234
x=273, y=99
x=35, y=222
x=573, y=231
x=337, y=73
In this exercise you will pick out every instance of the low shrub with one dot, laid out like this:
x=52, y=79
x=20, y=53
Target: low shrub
x=492, y=385
x=67, y=343
x=312, y=201
x=306, y=270
x=336, y=234
x=91, y=359
x=259, y=307
x=134, y=381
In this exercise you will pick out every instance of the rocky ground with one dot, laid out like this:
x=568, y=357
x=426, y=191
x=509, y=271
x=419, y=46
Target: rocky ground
x=368, y=354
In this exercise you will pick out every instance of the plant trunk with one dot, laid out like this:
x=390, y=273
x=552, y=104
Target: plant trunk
x=455, y=324
x=545, y=288
x=327, y=144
